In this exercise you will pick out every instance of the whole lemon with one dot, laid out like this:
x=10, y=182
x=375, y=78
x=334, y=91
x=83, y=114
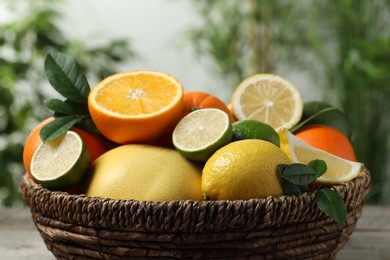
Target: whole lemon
x=144, y=172
x=243, y=170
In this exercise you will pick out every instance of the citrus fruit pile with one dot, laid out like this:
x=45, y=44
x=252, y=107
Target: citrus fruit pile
x=158, y=142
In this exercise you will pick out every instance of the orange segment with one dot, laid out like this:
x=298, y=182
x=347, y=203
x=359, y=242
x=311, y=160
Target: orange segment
x=135, y=106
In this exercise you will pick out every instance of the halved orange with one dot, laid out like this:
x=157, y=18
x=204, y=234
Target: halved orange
x=135, y=106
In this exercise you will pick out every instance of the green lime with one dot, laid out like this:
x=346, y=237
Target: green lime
x=60, y=163
x=254, y=129
x=202, y=132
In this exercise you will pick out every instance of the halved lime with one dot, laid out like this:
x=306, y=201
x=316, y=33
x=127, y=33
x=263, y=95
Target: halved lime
x=60, y=163
x=254, y=129
x=199, y=134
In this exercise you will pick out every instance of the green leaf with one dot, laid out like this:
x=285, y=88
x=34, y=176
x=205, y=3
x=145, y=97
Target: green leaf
x=67, y=77
x=78, y=108
x=321, y=113
x=281, y=168
x=58, y=127
x=299, y=174
x=330, y=202
x=290, y=188
x=88, y=125
x=312, y=107
x=59, y=106
x=304, y=188
x=319, y=166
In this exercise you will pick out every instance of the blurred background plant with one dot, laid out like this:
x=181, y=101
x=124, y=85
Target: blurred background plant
x=247, y=37
x=352, y=46
x=25, y=40
x=343, y=44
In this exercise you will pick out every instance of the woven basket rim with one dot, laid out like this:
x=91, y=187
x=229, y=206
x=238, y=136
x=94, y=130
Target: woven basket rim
x=186, y=215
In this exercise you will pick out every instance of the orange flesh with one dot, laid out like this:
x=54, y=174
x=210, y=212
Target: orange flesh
x=136, y=95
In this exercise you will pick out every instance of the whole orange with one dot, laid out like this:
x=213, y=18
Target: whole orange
x=197, y=99
x=96, y=144
x=329, y=139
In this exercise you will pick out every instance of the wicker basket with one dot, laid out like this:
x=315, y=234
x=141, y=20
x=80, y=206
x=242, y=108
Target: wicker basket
x=286, y=227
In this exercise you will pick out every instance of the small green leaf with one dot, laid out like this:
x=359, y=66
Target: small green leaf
x=67, y=77
x=58, y=127
x=299, y=174
x=281, y=168
x=319, y=166
x=304, y=188
x=316, y=112
x=88, y=125
x=79, y=108
x=330, y=202
x=290, y=188
x=59, y=106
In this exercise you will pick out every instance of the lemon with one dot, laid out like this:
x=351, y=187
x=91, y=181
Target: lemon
x=144, y=172
x=338, y=171
x=199, y=134
x=243, y=170
x=253, y=129
x=60, y=163
x=268, y=98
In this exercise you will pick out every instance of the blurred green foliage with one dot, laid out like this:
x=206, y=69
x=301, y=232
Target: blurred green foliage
x=246, y=37
x=343, y=44
x=357, y=72
x=24, y=42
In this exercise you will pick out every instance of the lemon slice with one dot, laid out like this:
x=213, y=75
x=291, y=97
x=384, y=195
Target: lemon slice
x=268, y=98
x=60, y=163
x=339, y=170
x=199, y=134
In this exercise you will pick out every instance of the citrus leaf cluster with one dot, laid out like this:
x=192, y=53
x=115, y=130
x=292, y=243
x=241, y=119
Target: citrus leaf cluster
x=317, y=112
x=296, y=179
x=67, y=78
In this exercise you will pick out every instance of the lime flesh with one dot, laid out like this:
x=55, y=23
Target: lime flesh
x=199, y=134
x=60, y=163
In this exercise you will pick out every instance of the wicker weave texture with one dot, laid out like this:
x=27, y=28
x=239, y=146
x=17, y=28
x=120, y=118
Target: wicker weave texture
x=286, y=227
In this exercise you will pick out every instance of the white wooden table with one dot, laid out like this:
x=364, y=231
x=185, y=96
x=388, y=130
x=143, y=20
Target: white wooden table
x=20, y=240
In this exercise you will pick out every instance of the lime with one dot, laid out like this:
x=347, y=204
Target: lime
x=268, y=98
x=254, y=129
x=199, y=134
x=60, y=163
x=243, y=170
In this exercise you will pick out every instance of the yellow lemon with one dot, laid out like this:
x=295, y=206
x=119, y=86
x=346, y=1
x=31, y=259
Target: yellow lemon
x=268, y=98
x=144, y=172
x=243, y=170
